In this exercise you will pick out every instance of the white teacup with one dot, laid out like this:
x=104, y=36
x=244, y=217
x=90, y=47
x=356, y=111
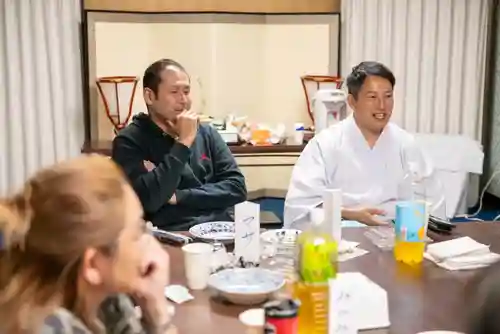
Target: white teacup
x=197, y=264
x=253, y=319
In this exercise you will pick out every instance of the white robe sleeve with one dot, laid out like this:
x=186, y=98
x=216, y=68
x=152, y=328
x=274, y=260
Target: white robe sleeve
x=428, y=186
x=307, y=185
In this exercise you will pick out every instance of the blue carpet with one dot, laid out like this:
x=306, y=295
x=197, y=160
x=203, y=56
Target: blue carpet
x=486, y=215
x=490, y=209
x=275, y=205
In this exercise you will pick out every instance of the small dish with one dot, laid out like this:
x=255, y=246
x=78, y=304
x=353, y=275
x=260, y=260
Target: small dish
x=288, y=237
x=246, y=286
x=214, y=231
x=281, y=235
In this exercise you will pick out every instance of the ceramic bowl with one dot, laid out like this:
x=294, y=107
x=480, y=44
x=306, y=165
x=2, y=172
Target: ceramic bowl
x=280, y=235
x=246, y=286
x=214, y=231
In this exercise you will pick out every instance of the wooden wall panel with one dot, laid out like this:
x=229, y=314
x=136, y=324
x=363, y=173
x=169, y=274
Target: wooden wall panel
x=240, y=6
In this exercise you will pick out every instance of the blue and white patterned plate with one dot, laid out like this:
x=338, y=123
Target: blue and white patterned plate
x=247, y=281
x=214, y=231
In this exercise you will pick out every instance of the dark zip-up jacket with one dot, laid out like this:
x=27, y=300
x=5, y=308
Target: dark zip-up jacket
x=205, y=177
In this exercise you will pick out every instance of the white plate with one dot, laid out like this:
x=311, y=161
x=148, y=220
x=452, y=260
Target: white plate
x=246, y=286
x=283, y=235
x=289, y=236
x=214, y=231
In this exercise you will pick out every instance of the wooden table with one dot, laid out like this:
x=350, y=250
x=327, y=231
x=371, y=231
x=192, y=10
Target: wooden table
x=431, y=299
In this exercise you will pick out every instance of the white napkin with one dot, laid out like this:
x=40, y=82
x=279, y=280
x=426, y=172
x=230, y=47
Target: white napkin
x=357, y=252
x=178, y=293
x=349, y=250
x=347, y=246
x=460, y=254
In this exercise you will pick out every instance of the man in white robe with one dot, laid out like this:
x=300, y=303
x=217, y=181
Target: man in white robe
x=372, y=161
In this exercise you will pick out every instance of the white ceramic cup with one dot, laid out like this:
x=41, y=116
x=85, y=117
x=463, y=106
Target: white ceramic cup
x=253, y=319
x=197, y=264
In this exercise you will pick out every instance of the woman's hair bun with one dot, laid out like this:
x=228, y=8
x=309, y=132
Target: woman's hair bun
x=15, y=218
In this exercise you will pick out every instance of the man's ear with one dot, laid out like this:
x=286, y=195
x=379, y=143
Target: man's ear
x=92, y=266
x=351, y=100
x=149, y=96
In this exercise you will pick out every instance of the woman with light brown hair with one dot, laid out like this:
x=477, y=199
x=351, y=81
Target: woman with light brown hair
x=73, y=245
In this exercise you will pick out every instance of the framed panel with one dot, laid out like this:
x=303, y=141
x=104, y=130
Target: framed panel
x=247, y=64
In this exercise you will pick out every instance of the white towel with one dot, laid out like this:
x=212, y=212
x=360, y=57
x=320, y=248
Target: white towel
x=460, y=254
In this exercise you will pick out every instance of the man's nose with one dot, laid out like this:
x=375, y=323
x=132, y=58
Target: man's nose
x=381, y=103
x=183, y=98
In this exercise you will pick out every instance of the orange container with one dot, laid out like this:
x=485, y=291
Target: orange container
x=261, y=137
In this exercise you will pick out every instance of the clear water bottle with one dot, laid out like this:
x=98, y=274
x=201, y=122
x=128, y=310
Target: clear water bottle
x=412, y=187
x=415, y=187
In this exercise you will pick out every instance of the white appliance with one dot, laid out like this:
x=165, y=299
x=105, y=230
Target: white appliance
x=228, y=132
x=229, y=136
x=329, y=106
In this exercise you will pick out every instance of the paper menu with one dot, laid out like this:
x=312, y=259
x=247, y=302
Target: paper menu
x=247, y=231
x=356, y=304
x=332, y=206
x=342, y=311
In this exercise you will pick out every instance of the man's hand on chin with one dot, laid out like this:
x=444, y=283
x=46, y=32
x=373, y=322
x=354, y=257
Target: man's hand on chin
x=172, y=200
x=149, y=165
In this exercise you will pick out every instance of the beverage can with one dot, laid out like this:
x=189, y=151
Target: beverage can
x=411, y=221
x=281, y=316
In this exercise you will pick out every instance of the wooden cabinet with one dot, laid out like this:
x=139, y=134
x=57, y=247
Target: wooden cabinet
x=267, y=171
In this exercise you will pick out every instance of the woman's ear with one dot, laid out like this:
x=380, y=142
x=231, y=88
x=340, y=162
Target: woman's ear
x=93, y=266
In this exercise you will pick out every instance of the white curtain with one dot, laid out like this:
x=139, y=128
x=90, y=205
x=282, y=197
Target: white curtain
x=41, y=109
x=437, y=50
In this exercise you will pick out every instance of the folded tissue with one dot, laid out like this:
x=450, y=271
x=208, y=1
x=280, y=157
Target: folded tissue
x=349, y=250
x=178, y=294
x=460, y=254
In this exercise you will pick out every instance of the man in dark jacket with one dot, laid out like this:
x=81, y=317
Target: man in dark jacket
x=182, y=171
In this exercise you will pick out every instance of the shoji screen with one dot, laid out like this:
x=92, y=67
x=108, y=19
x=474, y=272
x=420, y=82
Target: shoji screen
x=437, y=50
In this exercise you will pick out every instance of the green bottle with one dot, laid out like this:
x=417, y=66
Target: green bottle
x=317, y=253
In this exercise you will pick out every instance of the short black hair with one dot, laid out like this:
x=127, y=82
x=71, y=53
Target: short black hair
x=360, y=72
x=152, y=75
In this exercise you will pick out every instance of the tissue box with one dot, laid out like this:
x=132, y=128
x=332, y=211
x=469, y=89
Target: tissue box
x=230, y=137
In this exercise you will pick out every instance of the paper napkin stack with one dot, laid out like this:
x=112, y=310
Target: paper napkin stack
x=461, y=254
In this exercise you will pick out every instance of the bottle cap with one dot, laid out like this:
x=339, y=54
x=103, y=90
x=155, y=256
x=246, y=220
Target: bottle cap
x=299, y=127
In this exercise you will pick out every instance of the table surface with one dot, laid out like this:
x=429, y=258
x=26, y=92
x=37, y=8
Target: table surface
x=432, y=299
